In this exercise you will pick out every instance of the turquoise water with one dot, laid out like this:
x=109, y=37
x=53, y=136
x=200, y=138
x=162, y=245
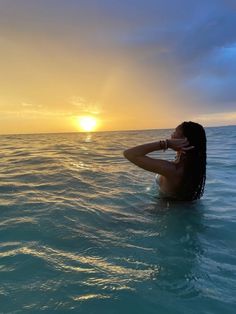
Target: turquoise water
x=82, y=230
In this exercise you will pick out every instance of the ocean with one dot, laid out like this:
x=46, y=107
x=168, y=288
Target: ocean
x=83, y=230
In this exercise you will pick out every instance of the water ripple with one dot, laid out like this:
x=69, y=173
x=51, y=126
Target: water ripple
x=84, y=230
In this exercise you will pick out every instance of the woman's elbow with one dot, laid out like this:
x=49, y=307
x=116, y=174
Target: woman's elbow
x=127, y=153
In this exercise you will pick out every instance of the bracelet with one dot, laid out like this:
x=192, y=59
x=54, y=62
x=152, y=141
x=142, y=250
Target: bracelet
x=161, y=144
x=164, y=145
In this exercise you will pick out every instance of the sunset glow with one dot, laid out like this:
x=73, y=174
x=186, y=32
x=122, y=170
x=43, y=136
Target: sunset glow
x=61, y=60
x=87, y=123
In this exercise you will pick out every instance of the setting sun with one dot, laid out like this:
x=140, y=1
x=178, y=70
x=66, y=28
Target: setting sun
x=87, y=123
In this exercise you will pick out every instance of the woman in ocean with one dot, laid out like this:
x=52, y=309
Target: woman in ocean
x=181, y=179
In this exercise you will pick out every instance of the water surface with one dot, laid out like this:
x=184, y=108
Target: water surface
x=82, y=230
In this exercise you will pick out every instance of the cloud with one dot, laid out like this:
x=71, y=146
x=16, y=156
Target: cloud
x=131, y=56
x=85, y=106
x=217, y=118
x=27, y=110
x=214, y=78
x=29, y=105
x=192, y=49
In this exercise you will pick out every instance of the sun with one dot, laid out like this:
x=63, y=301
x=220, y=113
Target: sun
x=87, y=123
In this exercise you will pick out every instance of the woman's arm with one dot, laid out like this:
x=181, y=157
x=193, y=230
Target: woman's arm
x=143, y=149
x=137, y=155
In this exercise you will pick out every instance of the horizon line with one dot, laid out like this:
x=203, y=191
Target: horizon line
x=85, y=132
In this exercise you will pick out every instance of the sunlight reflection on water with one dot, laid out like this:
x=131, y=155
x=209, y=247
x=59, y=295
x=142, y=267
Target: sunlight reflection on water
x=82, y=229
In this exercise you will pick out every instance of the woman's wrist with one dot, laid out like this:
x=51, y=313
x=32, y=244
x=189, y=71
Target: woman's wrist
x=164, y=144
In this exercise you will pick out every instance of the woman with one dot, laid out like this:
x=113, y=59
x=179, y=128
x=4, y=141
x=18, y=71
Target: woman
x=184, y=178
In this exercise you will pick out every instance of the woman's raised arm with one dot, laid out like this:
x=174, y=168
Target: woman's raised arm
x=137, y=155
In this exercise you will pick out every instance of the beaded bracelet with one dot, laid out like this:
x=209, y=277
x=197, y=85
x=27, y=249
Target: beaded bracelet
x=164, y=145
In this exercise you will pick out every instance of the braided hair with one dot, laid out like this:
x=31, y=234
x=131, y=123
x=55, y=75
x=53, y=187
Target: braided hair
x=194, y=175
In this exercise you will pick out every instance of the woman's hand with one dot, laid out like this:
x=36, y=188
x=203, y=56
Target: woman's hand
x=180, y=144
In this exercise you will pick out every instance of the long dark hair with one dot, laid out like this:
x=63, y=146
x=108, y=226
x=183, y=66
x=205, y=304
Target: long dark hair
x=194, y=175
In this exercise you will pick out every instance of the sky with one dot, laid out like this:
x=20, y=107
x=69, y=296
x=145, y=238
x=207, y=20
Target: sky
x=131, y=64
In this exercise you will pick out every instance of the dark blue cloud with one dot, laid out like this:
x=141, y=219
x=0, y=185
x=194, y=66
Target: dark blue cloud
x=215, y=76
x=197, y=38
x=193, y=40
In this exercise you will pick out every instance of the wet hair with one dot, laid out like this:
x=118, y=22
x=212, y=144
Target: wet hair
x=194, y=175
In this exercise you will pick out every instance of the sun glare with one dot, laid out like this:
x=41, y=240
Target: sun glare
x=87, y=123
